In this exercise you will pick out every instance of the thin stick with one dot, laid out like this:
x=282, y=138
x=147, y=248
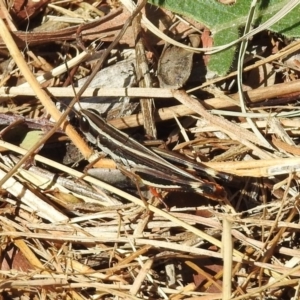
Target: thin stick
x=227, y=258
x=242, y=52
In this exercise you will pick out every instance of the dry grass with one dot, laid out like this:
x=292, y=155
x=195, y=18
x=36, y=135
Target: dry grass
x=69, y=236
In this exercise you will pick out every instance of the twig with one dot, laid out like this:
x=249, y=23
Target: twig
x=227, y=258
x=144, y=80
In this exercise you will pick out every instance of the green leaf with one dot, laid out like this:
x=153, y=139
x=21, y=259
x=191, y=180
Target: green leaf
x=31, y=138
x=226, y=22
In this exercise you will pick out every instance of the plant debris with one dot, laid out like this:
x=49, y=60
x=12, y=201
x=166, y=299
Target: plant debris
x=78, y=224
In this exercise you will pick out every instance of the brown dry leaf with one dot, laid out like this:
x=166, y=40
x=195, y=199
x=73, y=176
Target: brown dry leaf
x=13, y=258
x=207, y=42
x=22, y=11
x=205, y=279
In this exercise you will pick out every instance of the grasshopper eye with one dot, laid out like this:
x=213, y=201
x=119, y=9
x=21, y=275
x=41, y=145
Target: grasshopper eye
x=84, y=124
